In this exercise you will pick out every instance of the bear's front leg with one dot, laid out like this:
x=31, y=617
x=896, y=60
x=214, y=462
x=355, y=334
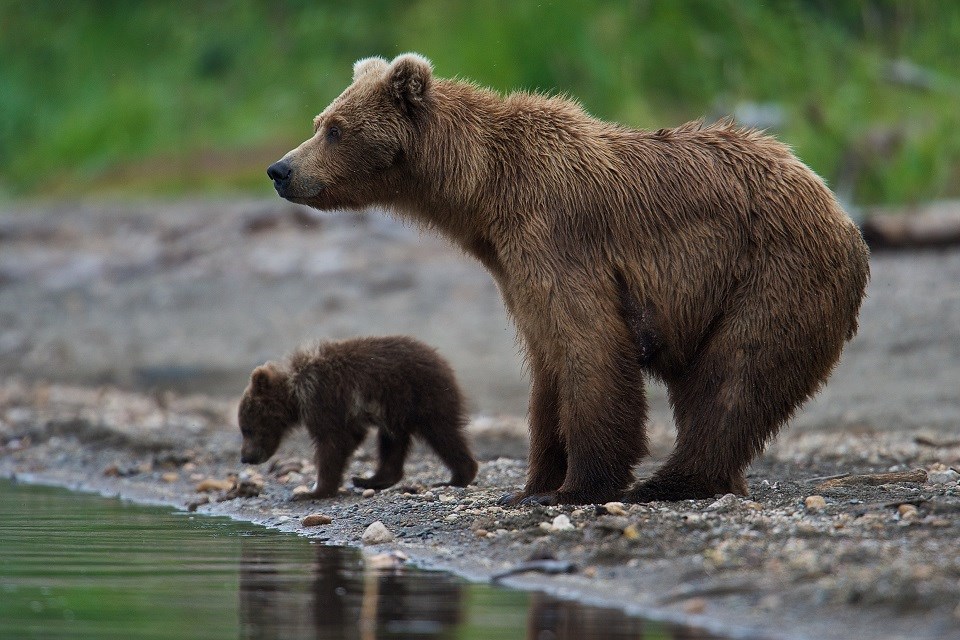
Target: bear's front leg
x=547, y=466
x=602, y=413
x=331, y=457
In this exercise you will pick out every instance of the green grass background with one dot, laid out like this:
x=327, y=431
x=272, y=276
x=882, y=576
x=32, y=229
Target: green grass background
x=171, y=98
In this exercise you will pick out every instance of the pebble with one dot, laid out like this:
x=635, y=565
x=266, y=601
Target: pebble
x=481, y=533
x=729, y=502
x=212, y=484
x=615, y=508
x=170, y=477
x=562, y=523
x=369, y=493
x=814, y=503
x=315, y=520
x=631, y=532
x=428, y=495
x=695, y=606
x=384, y=561
x=907, y=512
x=376, y=533
x=947, y=476
x=111, y=471
x=301, y=489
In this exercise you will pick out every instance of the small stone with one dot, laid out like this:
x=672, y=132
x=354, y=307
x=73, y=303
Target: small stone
x=631, y=532
x=451, y=518
x=615, y=508
x=589, y=572
x=212, y=484
x=376, y=533
x=908, y=512
x=577, y=513
x=726, y=503
x=695, y=606
x=284, y=519
x=170, y=477
x=447, y=498
x=562, y=523
x=428, y=495
x=111, y=471
x=202, y=500
x=368, y=493
x=291, y=478
x=385, y=561
x=189, y=467
x=300, y=490
x=753, y=506
x=481, y=533
x=814, y=503
x=946, y=476
x=315, y=520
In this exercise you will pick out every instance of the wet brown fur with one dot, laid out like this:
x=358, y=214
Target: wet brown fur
x=709, y=257
x=338, y=389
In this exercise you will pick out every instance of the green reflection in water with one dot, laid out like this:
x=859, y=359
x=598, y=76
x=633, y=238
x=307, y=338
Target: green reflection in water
x=82, y=566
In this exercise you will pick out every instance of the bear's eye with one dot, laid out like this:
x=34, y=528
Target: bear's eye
x=333, y=133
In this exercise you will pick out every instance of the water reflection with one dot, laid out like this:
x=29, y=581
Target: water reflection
x=342, y=598
x=81, y=566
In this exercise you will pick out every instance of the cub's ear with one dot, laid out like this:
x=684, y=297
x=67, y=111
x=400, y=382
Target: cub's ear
x=409, y=77
x=368, y=65
x=264, y=378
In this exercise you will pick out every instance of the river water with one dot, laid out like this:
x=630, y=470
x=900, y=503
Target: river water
x=83, y=566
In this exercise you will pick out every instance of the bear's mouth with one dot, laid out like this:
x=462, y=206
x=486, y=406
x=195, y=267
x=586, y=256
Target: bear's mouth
x=286, y=193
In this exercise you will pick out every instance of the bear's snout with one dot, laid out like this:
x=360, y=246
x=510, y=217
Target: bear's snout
x=280, y=173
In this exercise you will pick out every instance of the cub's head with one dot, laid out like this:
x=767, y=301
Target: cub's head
x=360, y=139
x=267, y=412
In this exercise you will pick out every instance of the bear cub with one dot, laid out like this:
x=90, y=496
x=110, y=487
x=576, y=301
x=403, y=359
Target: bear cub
x=337, y=389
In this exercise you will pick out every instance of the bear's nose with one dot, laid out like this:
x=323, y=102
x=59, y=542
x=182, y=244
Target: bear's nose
x=279, y=172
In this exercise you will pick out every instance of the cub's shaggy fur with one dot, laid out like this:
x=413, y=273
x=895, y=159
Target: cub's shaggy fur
x=338, y=389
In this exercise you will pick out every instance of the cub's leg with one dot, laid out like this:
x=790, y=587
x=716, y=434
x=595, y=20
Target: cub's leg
x=442, y=430
x=392, y=448
x=333, y=451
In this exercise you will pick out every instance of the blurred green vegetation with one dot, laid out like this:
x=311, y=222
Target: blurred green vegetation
x=174, y=97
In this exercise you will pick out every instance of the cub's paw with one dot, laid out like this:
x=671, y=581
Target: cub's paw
x=313, y=495
x=373, y=482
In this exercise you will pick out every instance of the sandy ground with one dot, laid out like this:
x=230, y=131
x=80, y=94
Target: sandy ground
x=127, y=332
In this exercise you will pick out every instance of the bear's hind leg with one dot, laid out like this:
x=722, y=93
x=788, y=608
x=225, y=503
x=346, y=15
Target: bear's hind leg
x=735, y=397
x=392, y=452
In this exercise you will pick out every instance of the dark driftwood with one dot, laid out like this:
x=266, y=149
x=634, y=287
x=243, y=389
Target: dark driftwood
x=932, y=225
x=873, y=479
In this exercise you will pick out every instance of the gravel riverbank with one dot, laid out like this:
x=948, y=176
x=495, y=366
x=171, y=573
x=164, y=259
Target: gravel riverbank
x=127, y=334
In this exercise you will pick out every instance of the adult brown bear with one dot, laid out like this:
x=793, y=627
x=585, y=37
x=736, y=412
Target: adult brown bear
x=707, y=256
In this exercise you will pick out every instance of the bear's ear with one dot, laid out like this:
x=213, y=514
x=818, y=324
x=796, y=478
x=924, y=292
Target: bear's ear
x=368, y=65
x=263, y=378
x=409, y=77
